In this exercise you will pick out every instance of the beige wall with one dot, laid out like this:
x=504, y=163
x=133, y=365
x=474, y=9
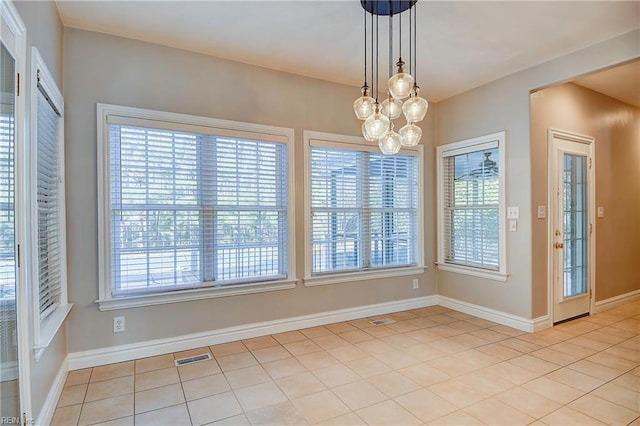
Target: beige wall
x=616, y=128
x=108, y=69
x=44, y=30
x=504, y=105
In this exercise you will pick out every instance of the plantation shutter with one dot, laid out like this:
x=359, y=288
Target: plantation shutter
x=49, y=205
x=471, y=196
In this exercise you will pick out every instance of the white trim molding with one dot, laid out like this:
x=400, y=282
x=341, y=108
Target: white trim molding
x=51, y=402
x=102, y=356
x=612, y=302
x=504, y=318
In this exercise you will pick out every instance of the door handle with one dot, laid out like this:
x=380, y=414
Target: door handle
x=558, y=245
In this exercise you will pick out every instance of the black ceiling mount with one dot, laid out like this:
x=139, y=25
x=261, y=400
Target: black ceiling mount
x=386, y=8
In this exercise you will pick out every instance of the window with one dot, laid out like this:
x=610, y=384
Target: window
x=192, y=203
x=48, y=265
x=471, y=211
x=362, y=208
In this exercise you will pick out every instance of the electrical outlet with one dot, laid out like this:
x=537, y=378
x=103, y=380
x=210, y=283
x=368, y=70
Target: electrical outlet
x=416, y=283
x=118, y=324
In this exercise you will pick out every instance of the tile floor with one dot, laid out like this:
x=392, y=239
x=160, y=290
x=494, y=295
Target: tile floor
x=432, y=366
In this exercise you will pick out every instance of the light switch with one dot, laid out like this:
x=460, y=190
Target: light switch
x=600, y=211
x=513, y=212
x=513, y=225
x=542, y=212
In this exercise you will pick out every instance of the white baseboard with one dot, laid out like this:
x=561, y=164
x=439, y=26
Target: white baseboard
x=49, y=406
x=612, y=302
x=102, y=356
x=504, y=318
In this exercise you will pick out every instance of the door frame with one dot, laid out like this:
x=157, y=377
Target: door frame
x=552, y=166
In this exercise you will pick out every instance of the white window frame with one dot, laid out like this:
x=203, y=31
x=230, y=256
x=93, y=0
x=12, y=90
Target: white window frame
x=461, y=147
x=176, y=121
x=357, y=144
x=46, y=328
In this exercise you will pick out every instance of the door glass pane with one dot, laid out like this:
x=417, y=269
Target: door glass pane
x=9, y=395
x=575, y=224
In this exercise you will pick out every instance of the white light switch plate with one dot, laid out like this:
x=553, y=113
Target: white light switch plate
x=600, y=211
x=542, y=212
x=513, y=212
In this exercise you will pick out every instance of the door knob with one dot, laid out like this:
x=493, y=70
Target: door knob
x=558, y=245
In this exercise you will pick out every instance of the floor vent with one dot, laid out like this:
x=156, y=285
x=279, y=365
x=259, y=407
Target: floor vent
x=192, y=359
x=383, y=321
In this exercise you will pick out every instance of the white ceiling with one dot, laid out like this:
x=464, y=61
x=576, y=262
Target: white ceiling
x=622, y=83
x=461, y=45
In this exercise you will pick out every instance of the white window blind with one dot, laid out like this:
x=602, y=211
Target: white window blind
x=471, y=197
x=192, y=209
x=7, y=201
x=363, y=210
x=49, y=205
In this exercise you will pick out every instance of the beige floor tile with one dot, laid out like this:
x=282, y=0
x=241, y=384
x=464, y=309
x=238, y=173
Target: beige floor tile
x=513, y=373
x=494, y=412
x=72, y=395
x=170, y=416
x=315, y=360
x=447, y=346
x=489, y=335
x=500, y=351
x=380, y=331
x=573, y=349
x=468, y=341
x=156, y=379
x=400, y=341
x=122, y=421
x=359, y=394
x=239, y=420
x=630, y=354
x=350, y=419
x=302, y=347
x=192, y=352
x=259, y=396
x=300, y=385
x=347, y=353
x=154, y=363
x=330, y=341
x=368, y=367
x=403, y=326
x=605, y=411
x=230, y=348
x=198, y=369
x=402, y=315
x=289, y=337
x=458, y=393
x=528, y=402
x=393, y=384
x=619, y=395
x=612, y=361
x=373, y=347
x=213, y=408
x=356, y=336
x=280, y=414
x=629, y=381
x=273, y=353
x=594, y=370
x=340, y=327
x=236, y=361
x=156, y=398
x=247, y=377
x=425, y=405
x=387, y=413
x=284, y=368
x=64, y=416
x=423, y=352
x=457, y=418
x=320, y=406
x=106, y=409
x=556, y=357
x=362, y=323
x=112, y=371
x=576, y=379
x=314, y=332
x=424, y=374
x=534, y=364
x=589, y=343
x=507, y=330
x=553, y=390
x=109, y=388
x=397, y=359
x=78, y=377
x=205, y=386
x=486, y=382
x=520, y=345
x=260, y=342
x=336, y=375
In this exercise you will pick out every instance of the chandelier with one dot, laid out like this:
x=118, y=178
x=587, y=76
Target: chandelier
x=402, y=94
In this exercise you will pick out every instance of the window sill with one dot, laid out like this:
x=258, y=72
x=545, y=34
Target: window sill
x=361, y=276
x=125, y=302
x=49, y=328
x=475, y=272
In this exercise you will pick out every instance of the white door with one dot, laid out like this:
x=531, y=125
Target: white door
x=572, y=200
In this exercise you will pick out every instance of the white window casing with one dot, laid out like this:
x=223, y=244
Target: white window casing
x=191, y=207
x=471, y=207
x=363, y=210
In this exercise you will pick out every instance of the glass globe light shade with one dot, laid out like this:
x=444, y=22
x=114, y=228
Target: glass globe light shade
x=392, y=107
x=401, y=83
x=366, y=135
x=390, y=143
x=377, y=124
x=411, y=134
x=364, y=105
x=415, y=108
